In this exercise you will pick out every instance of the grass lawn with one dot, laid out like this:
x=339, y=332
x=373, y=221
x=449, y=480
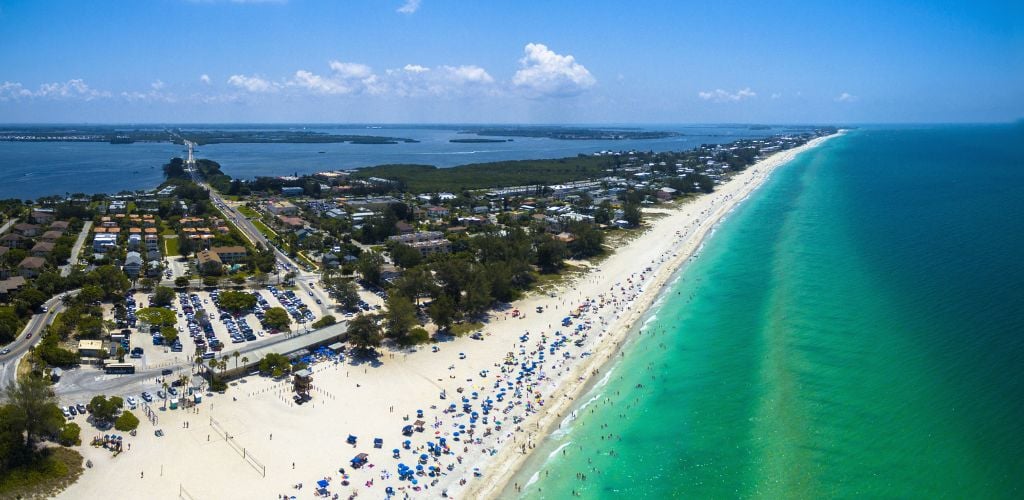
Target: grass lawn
x=248, y=212
x=460, y=329
x=269, y=233
x=171, y=247
x=49, y=475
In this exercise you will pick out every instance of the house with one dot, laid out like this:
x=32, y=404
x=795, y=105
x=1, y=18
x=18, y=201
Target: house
x=12, y=284
x=117, y=207
x=51, y=236
x=282, y=207
x=666, y=194
x=292, y=191
x=30, y=267
x=134, y=241
x=437, y=212
x=102, y=242
x=61, y=225
x=230, y=255
x=404, y=227
x=11, y=240
x=330, y=261
x=43, y=215
x=27, y=230
x=427, y=242
x=42, y=249
x=153, y=268
x=208, y=262
x=292, y=222
x=152, y=243
x=91, y=349
x=133, y=264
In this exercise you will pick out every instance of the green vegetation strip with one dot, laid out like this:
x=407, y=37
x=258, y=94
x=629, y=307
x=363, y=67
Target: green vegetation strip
x=171, y=247
x=52, y=472
x=248, y=212
x=426, y=178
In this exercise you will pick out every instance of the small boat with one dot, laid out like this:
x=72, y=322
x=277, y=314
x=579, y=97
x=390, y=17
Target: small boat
x=321, y=152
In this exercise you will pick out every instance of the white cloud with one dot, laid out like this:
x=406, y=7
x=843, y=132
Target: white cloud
x=776, y=95
x=204, y=78
x=719, y=95
x=157, y=85
x=409, y=7
x=414, y=80
x=346, y=78
x=846, y=97
x=544, y=73
x=415, y=68
x=467, y=74
x=253, y=83
x=10, y=91
x=71, y=89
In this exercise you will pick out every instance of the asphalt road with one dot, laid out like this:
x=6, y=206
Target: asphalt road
x=75, y=250
x=29, y=336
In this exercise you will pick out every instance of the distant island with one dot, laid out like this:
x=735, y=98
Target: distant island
x=571, y=133
x=478, y=141
x=178, y=136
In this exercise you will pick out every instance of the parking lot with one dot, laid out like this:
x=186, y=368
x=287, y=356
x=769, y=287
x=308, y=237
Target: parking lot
x=203, y=327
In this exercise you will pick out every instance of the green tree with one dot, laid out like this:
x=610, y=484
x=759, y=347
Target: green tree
x=632, y=214
x=399, y=317
x=550, y=254
x=157, y=316
x=405, y=255
x=477, y=297
x=364, y=332
x=442, y=312
x=33, y=408
x=237, y=302
x=181, y=281
x=69, y=434
x=103, y=409
x=10, y=325
x=369, y=266
x=342, y=290
x=277, y=318
x=126, y=422
x=274, y=363
x=325, y=321
x=162, y=297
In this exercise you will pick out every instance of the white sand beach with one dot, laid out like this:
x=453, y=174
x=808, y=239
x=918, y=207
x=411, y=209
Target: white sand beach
x=520, y=381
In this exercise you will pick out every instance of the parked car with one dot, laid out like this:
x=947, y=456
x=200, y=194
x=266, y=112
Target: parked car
x=147, y=397
x=81, y=408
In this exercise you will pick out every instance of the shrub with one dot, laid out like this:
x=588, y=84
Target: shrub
x=126, y=422
x=325, y=321
x=418, y=336
x=69, y=434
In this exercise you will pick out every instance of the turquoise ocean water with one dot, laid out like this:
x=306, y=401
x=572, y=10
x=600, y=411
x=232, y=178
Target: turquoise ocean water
x=854, y=330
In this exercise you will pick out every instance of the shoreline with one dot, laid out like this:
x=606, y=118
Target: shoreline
x=509, y=463
x=618, y=293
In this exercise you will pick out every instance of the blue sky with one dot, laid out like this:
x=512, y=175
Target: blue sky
x=510, y=61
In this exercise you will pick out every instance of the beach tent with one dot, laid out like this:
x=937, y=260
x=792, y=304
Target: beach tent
x=322, y=483
x=419, y=425
x=351, y=439
x=359, y=460
x=378, y=442
x=407, y=430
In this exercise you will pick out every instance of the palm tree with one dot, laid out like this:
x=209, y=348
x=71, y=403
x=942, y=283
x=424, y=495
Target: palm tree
x=245, y=360
x=236, y=355
x=165, y=386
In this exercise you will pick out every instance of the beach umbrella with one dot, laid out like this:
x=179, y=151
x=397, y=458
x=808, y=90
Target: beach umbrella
x=322, y=483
